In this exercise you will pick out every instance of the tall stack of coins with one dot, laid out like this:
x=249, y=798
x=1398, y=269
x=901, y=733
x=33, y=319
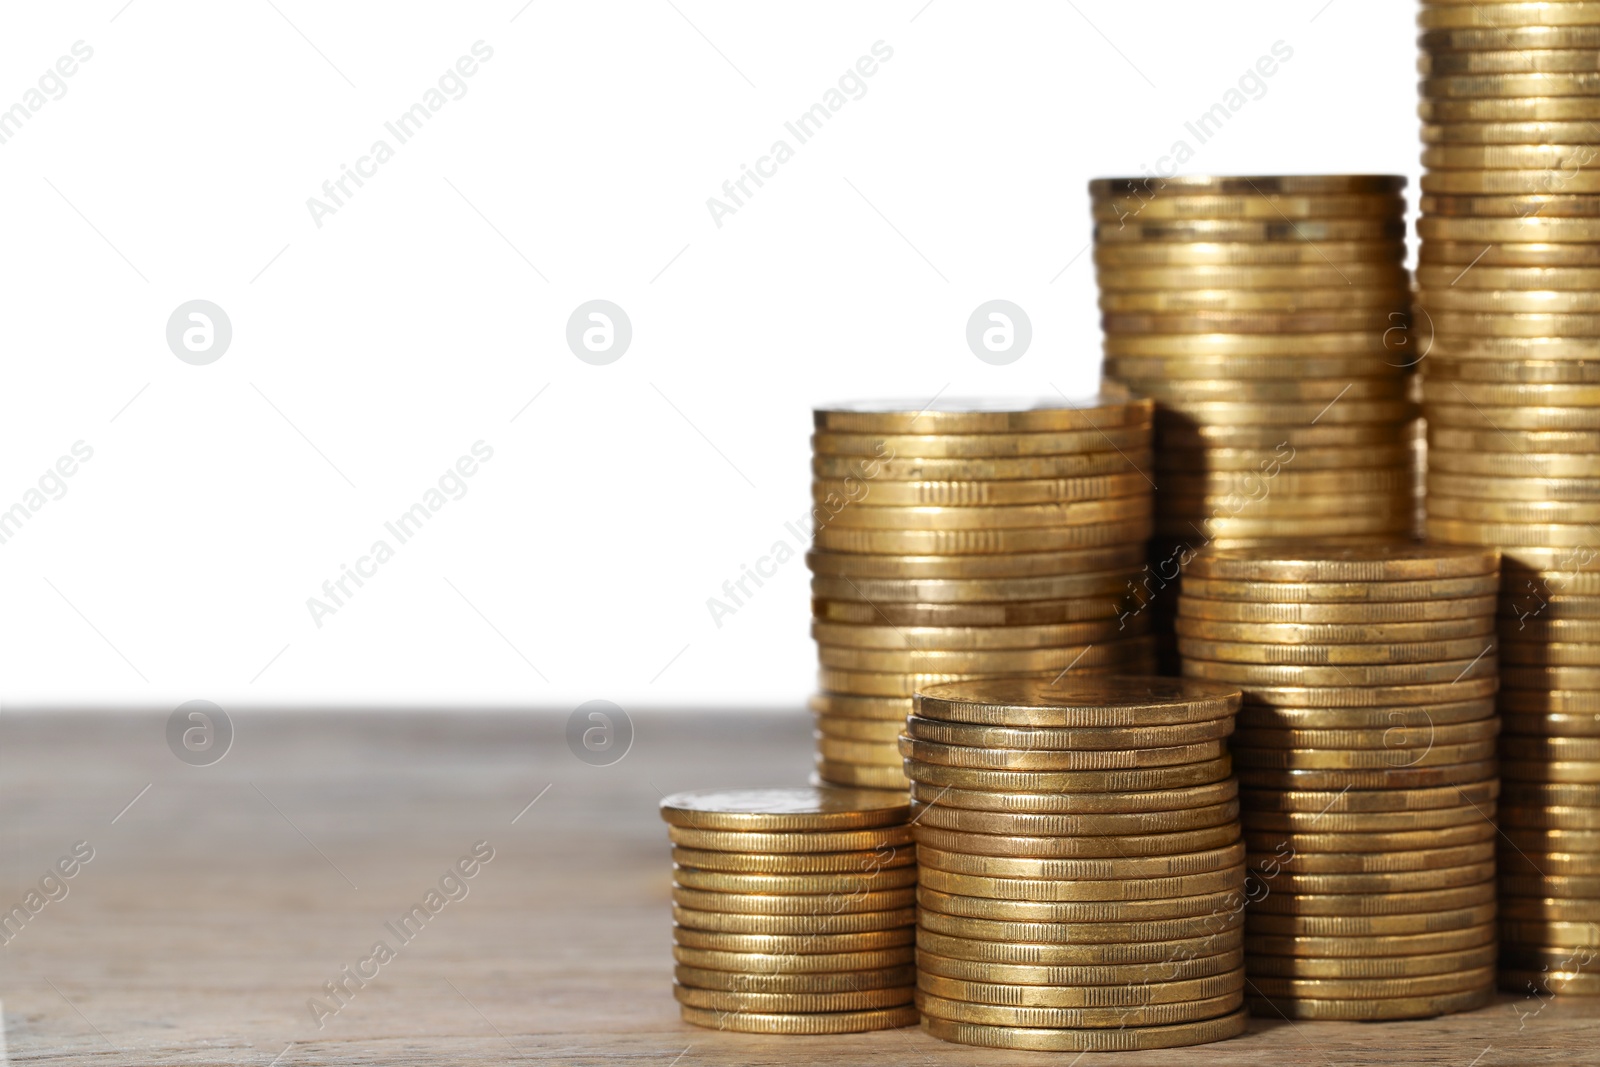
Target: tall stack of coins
x=1267, y=317
x=793, y=909
x=1366, y=757
x=1509, y=272
x=1080, y=865
x=971, y=540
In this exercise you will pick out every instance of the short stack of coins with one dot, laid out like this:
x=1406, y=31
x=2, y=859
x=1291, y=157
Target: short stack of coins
x=1080, y=870
x=1509, y=279
x=1267, y=317
x=793, y=909
x=968, y=540
x=1366, y=760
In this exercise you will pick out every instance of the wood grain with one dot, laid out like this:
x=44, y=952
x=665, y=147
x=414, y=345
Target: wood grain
x=220, y=902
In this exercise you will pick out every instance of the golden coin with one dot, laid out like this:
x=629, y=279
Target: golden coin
x=1541, y=793
x=1103, y=898
x=1572, y=981
x=1542, y=61
x=1502, y=37
x=1059, y=738
x=1570, y=886
x=1560, y=511
x=1417, y=612
x=1372, y=925
x=982, y=416
x=920, y=468
x=860, y=775
x=953, y=542
x=1295, y=413
x=1283, y=441
x=1402, y=732
x=1079, y=911
x=1121, y=869
x=964, y=661
x=939, y=1008
x=1520, y=704
x=1514, y=465
x=1202, y=367
x=1077, y=803
x=1415, y=859
x=1514, y=301
x=1366, y=947
x=1045, y=824
x=825, y=921
x=801, y=944
x=1448, y=439
x=796, y=808
x=1578, y=771
x=1506, y=157
x=846, y=882
x=1509, y=109
x=1054, y=759
x=1019, y=565
x=1118, y=702
x=1332, y=592
x=1472, y=86
x=1533, y=839
x=1112, y=996
x=1401, y=777
x=890, y=709
x=1036, y=954
x=1081, y=513
x=927, y=638
x=977, y=446
x=1105, y=845
x=1246, y=346
x=792, y=963
x=1370, y=276
x=848, y=750
x=1250, y=204
x=1251, y=461
x=1516, y=325
x=1514, y=394
x=1341, y=883
x=1550, y=864
x=1552, y=934
x=1147, y=187
x=1253, y=653
x=1253, y=674
x=1342, y=904
x=973, y=493
x=1552, y=910
x=1375, y=966
x=1557, y=653
x=1481, y=276
x=1305, y=843
x=1290, y=696
x=1401, y=719
x=1367, y=480
x=1419, y=1007
x=799, y=904
x=1394, y=300
x=742, y=1002
x=844, y=729
x=1380, y=512
x=832, y=1022
x=1295, y=633
x=770, y=984
x=1517, y=207
x=1103, y=658
x=1253, y=231
x=1028, y=613
x=1171, y=395
x=1109, y=1039
x=1247, y=253
x=1337, y=990
x=1266, y=823
x=1481, y=793
x=793, y=841
x=1552, y=723
x=864, y=861
x=1114, y=781
x=1082, y=934
x=1090, y=978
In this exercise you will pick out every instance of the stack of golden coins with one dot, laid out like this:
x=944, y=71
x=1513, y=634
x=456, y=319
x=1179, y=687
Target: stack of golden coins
x=793, y=909
x=1267, y=317
x=1079, y=863
x=1366, y=758
x=968, y=540
x=1508, y=275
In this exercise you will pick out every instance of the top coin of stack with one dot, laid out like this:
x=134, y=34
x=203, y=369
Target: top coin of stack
x=971, y=540
x=1509, y=275
x=1267, y=317
x=792, y=909
x=1079, y=863
x=1366, y=754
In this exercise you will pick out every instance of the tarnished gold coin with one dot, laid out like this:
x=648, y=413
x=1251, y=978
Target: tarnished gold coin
x=1079, y=911
x=1028, y=823
x=1105, y=1039
x=1241, y=613
x=1419, y=1007
x=793, y=841
x=816, y=984
x=1379, y=881
x=740, y=1001
x=1145, y=188
x=1093, y=703
x=906, y=683
x=762, y=883
x=1346, y=904
x=800, y=904
x=990, y=492
x=792, y=963
x=1177, y=301
x=1368, y=480
x=1375, y=966
x=832, y=1022
x=1331, y=592
x=1548, y=910
x=823, y=921
x=1541, y=793
x=1552, y=653
x=1520, y=861
x=1233, y=321
x=1551, y=705
x=978, y=445
x=1537, y=839
x=1036, y=953
x=1136, y=780
x=1176, y=394
x=1554, y=817
x=796, y=808
x=1132, y=898
x=1371, y=925
x=1055, y=759
x=864, y=861
x=1504, y=37
x=1087, y=869
x=1083, y=996
x=981, y=416
x=1254, y=674
x=803, y=944
x=1475, y=475
x=936, y=1007
x=1178, y=842
x=860, y=775
x=1508, y=302
x=921, y=468
x=1077, y=803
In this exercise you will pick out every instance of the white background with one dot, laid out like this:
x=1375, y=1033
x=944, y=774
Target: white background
x=368, y=354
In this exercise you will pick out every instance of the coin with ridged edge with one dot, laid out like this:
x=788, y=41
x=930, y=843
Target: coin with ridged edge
x=822, y=920
x=1351, y=904
x=1109, y=1039
x=1147, y=892
x=1114, y=953
x=803, y=944
x=1371, y=1010
x=832, y=1022
x=1118, y=702
x=1136, y=780
x=741, y=1001
x=1179, y=968
x=764, y=883
x=1087, y=869
x=1078, y=911
x=1082, y=996
x=957, y=416
x=1013, y=823
x=796, y=808
x=1076, y=803
x=862, y=861
x=936, y=1007
x=838, y=982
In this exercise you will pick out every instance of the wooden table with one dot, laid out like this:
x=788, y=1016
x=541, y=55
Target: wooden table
x=220, y=901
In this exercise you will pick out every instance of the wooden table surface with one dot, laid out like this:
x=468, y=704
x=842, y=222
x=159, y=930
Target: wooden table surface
x=224, y=898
